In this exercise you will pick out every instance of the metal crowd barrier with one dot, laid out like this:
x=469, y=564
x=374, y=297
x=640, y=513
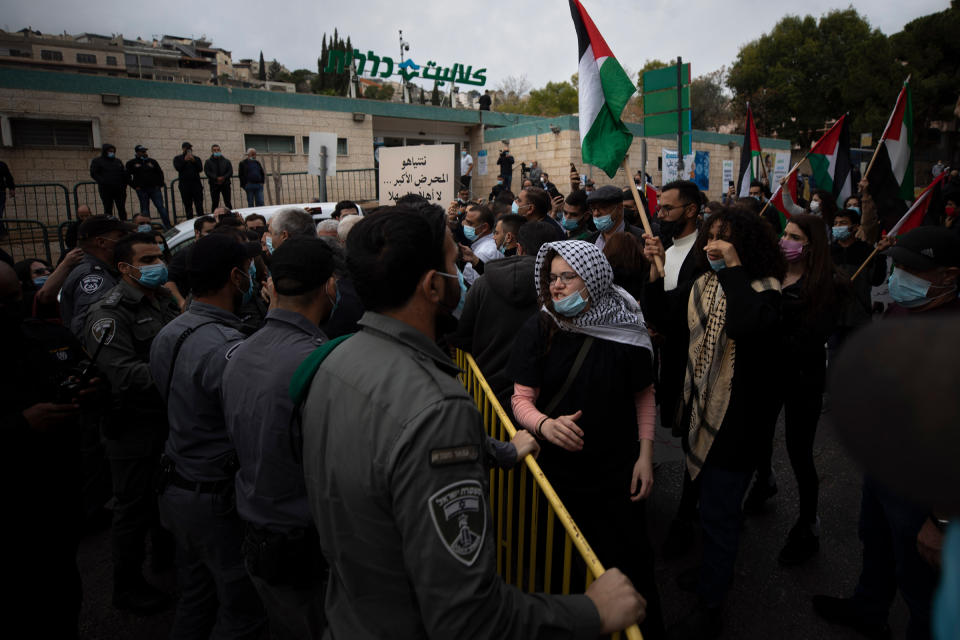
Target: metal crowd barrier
x=25, y=239
x=525, y=511
x=46, y=202
x=87, y=193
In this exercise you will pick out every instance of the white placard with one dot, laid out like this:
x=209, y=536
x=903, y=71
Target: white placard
x=427, y=170
x=727, y=174
x=670, y=166
x=780, y=168
x=482, y=162
x=318, y=140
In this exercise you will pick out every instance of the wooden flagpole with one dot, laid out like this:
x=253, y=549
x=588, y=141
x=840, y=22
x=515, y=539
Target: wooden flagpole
x=786, y=177
x=643, y=213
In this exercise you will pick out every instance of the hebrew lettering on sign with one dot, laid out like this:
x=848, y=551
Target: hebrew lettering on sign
x=338, y=61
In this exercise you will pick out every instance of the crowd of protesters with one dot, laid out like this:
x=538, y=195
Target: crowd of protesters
x=274, y=406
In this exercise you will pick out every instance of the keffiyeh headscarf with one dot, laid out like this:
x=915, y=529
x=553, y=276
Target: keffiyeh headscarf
x=613, y=314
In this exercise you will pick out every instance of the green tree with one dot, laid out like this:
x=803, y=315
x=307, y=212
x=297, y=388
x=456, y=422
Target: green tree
x=929, y=50
x=805, y=73
x=711, y=107
x=262, y=69
x=274, y=71
x=556, y=98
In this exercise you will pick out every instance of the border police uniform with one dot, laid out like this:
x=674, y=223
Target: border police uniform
x=281, y=549
x=397, y=486
x=125, y=322
x=197, y=504
x=88, y=282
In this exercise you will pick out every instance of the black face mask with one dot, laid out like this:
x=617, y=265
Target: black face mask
x=446, y=322
x=670, y=228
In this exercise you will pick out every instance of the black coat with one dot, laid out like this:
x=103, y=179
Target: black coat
x=108, y=172
x=218, y=168
x=247, y=170
x=191, y=172
x=145, y=173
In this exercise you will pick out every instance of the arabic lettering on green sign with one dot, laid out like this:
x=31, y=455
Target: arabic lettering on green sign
x=339, y=61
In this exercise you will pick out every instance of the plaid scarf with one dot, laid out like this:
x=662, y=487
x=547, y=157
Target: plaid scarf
x=710, y=365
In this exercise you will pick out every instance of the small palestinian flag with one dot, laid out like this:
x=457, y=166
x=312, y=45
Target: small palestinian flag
x=914, y=217
x=605, y=89
x=830, y=161
x=749, y=154
x=777, y=200
x=891, y=176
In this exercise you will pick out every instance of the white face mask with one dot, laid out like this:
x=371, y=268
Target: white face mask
x=814, y=206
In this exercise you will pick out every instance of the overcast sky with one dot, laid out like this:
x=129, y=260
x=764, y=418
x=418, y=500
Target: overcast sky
x=508, y=37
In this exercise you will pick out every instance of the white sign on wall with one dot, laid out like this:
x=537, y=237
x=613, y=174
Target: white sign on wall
x=427, y=170
x=319, y=140
x=670, y=166
x=727, y=174
x=482, y=162
x=780, y=168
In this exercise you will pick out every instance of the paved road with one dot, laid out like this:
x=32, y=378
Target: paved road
x=767, y=601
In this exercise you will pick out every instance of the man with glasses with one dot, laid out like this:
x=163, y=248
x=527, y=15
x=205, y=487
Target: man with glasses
x=534, y=204
x=606, y=207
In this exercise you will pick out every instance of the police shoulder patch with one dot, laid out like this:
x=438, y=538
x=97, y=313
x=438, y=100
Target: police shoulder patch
x=459, y=513
x=103, y=330
x=91, y=283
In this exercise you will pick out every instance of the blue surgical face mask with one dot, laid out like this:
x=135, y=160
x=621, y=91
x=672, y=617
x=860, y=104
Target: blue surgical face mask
x=515, y=208
x=153, y=275
x=908, y=290
x=217, y=154
x=857, y=209
x=571, y=305
x=463, y=290
x=144, y=228
x=111, y=154
x=502, y=249
x=39, y=281
x=717, y=265
x=570, y=223
x=603, y=223
x=270, y=245
x=840, y=233
x=470, y=233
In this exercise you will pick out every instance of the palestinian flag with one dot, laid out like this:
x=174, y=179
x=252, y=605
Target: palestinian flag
x=830, y=161
x=605, y=89
x=891, y=176
x=777, y=200
x=749, y=154
x=915, y=216
x=651, y=194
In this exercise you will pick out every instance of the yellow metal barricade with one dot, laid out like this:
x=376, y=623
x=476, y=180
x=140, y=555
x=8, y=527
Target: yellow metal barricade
x=532, y=552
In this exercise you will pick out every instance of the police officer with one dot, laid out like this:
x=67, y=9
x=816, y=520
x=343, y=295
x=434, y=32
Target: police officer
x=197, y=502
x=281, y=550
x=146, y=177
x=40, y=414
x=392, y=460
x=190, y=169
x=95, y=275
x=124, y=322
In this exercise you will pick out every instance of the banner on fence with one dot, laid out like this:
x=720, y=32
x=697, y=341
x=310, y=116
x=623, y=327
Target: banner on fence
x=319, y=140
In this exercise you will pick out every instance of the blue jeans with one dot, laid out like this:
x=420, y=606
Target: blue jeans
x=888, y=530
x=721, y=494
x=254, y=194
x=217, y=599
x=155, y=195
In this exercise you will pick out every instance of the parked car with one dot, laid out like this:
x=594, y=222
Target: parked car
x=181, y=236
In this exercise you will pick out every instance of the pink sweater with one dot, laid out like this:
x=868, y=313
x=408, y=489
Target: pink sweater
x=526, y=412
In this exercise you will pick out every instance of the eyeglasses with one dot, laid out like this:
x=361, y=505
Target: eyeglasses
x=41, y=271
x=667, y=208
x=566, y=277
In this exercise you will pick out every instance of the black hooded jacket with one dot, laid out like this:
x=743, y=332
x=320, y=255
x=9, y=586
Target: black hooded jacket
x=108, y=172
x=496, y=307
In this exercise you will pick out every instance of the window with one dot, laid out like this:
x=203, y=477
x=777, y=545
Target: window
x=86, y=58
x=270, y=144
x=341, y=146
x=16, y=53
x=46, y=54
x=51, y=133
x=112, y=61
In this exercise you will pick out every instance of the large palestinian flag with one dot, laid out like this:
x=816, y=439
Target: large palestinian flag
x=749, y=156
x=891, y=176
x=605, y=89
x=916, y=215
x=777, y=199
x=830, y=161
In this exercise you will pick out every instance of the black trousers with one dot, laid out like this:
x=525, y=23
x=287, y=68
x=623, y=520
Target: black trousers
x=216, y=190
x=114, y=195
x=134, y=515
x=802, y=403
x=192, y=197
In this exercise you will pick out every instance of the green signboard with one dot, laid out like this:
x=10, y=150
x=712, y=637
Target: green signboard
x=664, y=78
x=662, y=101
x=666, y=123
x=384, y=66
